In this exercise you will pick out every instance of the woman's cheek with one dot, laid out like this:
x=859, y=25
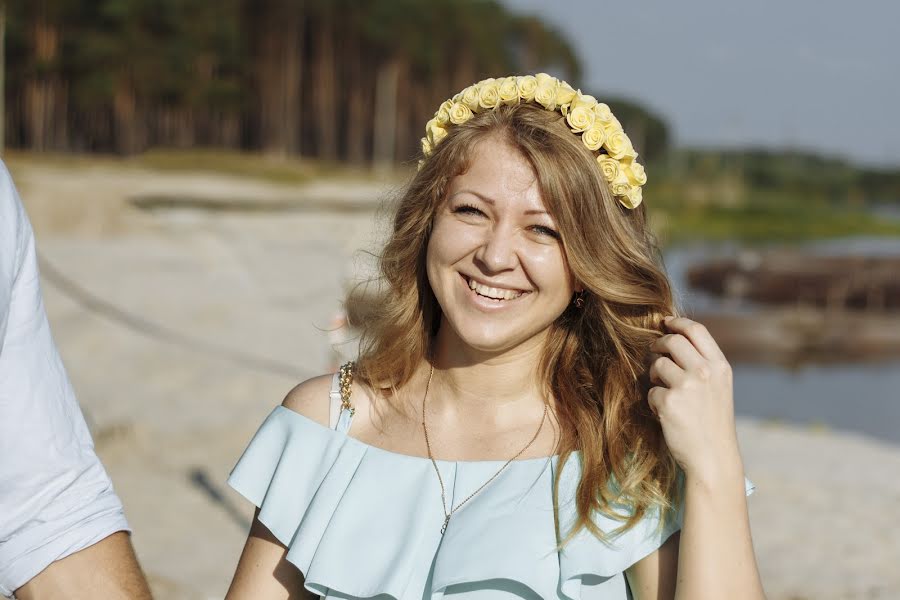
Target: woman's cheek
x=453, y=239
x=545, y=259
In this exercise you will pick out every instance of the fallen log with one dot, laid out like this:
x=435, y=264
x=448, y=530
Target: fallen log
x=804, y=335
x=870, y=283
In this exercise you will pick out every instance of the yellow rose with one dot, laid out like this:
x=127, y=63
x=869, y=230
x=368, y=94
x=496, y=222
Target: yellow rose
x=526, y=84
x=580, y=118
x=618, y=145
x=604, y=115
x=426, y=147
x=609, y=167
x=442, y=116
x=508, y=90
x=469, y=97
x=434, y=132
x=420, y=164
x=633, y=198
x=564, y=93
x=460, y=113
x=545, y=92
x=620, y=186
x=488, y=94
x=594, y=137
x=583, y=100
x=543, y=79
x=611, y=126
x=636, y=174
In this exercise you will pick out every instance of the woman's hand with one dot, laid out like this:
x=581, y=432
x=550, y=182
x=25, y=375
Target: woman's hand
x=693, y=399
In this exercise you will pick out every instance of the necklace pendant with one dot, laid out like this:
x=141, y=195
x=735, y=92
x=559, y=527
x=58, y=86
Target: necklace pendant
x=444, y=526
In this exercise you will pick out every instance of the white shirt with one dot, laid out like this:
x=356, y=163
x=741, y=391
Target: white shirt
x=55, y=496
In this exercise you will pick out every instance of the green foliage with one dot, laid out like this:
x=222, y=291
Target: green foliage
x=759, y=196
x=765, y=223
x=803, y=176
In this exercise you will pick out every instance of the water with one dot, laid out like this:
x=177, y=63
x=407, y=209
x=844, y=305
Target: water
x=860, y=398
x=863, y=398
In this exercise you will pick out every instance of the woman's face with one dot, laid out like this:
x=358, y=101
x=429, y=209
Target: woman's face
x=495, y=261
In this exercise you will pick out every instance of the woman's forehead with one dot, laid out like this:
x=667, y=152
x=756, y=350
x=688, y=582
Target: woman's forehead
x=499, y=174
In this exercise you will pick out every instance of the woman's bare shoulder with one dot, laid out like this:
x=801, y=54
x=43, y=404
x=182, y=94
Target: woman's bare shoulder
x=310, y=398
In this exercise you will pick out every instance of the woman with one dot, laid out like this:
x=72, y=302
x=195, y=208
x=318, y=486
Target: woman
x=526, y=418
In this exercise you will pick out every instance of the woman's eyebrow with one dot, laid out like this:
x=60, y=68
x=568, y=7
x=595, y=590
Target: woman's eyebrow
x=533, y=211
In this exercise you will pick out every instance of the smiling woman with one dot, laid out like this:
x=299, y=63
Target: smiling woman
x=500, y=434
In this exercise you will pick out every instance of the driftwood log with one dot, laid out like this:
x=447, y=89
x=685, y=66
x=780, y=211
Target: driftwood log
x=869, y=283
x=804, y=335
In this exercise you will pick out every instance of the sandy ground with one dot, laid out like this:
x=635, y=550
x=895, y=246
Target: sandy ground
x=182, y=329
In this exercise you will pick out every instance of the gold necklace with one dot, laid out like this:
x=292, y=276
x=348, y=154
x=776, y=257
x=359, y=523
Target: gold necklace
x=447, y=515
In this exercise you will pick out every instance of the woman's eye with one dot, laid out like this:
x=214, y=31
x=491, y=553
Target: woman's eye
x=543, y=230
x=467, y=210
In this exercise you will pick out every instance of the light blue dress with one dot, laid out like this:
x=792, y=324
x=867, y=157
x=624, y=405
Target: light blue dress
x=364, y=522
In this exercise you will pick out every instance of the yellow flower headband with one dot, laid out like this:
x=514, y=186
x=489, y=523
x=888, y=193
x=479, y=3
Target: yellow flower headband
x=592, y=120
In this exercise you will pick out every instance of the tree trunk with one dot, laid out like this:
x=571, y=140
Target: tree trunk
x=276, y=38
x=404, y=113
x=324, y=106
x=356, y=85
x=45, y=121
x=127, y=126
x=463, y=70
x=385, y=115
x=423, y=109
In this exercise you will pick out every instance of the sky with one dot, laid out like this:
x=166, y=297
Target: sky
x=816, y=75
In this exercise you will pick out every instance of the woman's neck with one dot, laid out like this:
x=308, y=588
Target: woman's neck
x=502, y=387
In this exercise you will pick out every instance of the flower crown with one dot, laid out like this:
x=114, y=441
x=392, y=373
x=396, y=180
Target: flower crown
x=592, y=120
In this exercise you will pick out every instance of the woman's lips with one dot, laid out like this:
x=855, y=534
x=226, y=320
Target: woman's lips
x=496, y=296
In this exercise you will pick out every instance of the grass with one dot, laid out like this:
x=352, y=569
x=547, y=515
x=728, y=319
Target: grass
x=275, y=169
x=764, y=225
x=753, y=216
x=240, y=164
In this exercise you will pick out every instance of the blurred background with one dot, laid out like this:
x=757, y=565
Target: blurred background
x=205, y=179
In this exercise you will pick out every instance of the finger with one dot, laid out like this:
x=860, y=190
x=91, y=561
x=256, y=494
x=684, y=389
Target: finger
x=656, y=398
x=680, y=349
x=698, y=335
x=664, y=371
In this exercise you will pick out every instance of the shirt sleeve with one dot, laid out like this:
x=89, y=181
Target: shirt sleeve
x=55, y=496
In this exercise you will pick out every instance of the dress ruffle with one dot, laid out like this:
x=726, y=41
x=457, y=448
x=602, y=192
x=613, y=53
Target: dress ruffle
x=360, y=521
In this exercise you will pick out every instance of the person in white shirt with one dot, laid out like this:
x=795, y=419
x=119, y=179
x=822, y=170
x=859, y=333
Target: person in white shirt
x=63, y=532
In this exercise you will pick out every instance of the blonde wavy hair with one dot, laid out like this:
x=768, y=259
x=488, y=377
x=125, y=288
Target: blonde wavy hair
x=596, y=358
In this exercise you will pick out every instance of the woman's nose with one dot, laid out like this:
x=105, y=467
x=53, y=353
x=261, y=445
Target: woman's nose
x=498, y=250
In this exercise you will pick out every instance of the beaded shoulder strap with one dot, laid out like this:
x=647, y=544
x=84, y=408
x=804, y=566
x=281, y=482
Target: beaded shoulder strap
x=345, y=382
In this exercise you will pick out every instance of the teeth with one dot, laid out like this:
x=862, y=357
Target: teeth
x=495, y=293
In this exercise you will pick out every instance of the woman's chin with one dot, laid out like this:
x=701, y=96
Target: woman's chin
x=493, y=341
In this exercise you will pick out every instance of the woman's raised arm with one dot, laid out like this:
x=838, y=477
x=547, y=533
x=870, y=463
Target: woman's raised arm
x=693, y=399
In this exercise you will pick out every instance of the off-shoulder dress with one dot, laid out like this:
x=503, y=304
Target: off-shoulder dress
x=363, y=522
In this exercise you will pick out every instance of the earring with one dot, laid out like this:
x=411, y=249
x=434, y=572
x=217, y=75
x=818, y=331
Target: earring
x=579, y=299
